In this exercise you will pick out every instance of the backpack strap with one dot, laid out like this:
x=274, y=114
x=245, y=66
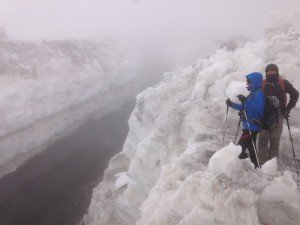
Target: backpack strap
x=282, y=85
x=281, y=82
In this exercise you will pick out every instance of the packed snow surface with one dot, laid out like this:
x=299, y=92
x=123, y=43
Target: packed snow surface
x=173, y=168
x=48, y=87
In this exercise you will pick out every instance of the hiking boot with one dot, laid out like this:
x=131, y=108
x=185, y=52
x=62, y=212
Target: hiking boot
x=243, y=155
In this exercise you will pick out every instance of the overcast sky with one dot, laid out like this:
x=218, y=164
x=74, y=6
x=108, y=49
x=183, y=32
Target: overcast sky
x=135, y=19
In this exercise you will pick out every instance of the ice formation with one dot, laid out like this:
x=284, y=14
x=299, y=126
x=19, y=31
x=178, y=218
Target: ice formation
x=173, y=169
x=48, y=87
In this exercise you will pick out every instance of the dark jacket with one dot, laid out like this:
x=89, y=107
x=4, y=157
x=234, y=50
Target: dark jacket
x=289, y=89
x=255, y=103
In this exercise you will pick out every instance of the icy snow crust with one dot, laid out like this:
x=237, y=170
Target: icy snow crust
x=171, y=171
x=47, y=88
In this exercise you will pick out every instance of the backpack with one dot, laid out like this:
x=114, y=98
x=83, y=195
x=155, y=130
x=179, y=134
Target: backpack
x=275, y=102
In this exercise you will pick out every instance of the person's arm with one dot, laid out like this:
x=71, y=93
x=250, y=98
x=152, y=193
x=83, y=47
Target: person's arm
x=294, y=95
x=237, y=106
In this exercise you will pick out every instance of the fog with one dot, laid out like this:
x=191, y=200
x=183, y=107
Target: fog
x=161, y=27
x=50, y=88
x=137, y=20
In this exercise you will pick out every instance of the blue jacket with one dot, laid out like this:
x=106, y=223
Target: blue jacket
x=255, y=103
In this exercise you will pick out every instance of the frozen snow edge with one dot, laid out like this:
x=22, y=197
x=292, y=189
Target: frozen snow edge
x=229, y=191
x=175, y=129
x=48, y=89
x=34, y=139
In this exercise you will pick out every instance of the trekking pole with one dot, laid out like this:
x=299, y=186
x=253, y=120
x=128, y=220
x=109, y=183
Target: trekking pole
x=225, y=125
x=291, y=139
x=254, y=147
x=237, y=131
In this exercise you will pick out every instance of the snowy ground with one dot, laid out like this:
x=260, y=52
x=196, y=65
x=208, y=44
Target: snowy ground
x=173, y=169
x=48, y=88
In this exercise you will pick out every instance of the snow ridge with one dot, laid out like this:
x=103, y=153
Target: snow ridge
x=170, y=171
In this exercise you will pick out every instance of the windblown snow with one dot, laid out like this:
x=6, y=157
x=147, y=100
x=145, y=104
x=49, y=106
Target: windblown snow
x=48, y=87
x=173, y=168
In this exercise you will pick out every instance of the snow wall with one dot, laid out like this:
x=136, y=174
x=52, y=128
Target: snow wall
x=173, y=169
x=48, y=88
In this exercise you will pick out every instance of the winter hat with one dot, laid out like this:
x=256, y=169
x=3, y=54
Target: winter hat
x=272, y=67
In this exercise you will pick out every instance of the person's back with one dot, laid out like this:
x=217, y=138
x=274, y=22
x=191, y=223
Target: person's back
x=277, y=87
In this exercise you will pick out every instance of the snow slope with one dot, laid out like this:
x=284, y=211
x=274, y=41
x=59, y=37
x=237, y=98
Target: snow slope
x=49, y=87
x=173, y=169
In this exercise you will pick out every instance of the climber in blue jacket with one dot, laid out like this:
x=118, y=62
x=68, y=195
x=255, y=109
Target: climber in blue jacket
x=253, y=106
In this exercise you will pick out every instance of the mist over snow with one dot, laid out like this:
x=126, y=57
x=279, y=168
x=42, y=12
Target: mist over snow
x=173, y=169
x=63, y=61
x=173, y=30
x=48, y=88
x=137, y=19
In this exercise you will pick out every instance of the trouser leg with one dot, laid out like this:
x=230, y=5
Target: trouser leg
x=251, y=149
x=275, y=134
x=243, y=143
x=246, y=143
x=253, y=155
x=263, y=149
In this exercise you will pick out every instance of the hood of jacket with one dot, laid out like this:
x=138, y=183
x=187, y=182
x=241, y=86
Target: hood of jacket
x=256, y=81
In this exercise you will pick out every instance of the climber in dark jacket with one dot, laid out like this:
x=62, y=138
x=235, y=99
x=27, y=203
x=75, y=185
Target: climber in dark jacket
x=269, y=139
x=253, y=106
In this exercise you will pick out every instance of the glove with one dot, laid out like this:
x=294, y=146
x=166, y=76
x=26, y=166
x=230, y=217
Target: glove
x=229, y=102
x=242, y=98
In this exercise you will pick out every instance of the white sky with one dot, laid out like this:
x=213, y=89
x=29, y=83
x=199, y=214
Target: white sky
x=137, y=19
